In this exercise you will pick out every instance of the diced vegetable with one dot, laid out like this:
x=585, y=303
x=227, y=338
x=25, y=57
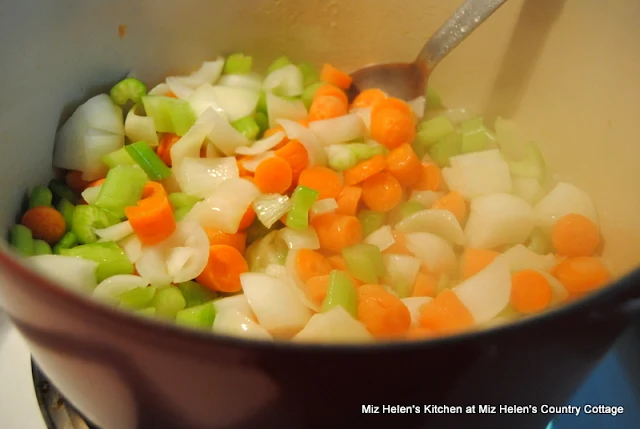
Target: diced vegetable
x=168, y=301
x=115, y=232
x=200, y=177
x=146, y=158
x=248, y=126
x=128, y=89
x=299, y=239
x=371, y=221
x=169, y=115
x=278, y=63
x=110, y=257
x=285, y=81
x=434, y=252
x=520, y=258
x=301, y=201
x=238, y=64
x=364, y=262
x=69, y=271
x=122, y=188
x=22, y=240
x=236, y=324
x=140, y=128
x=266, y=251
x=40, y=196
x=336, y=325
x=382, y=238
x=310, y=74
x=41, y=247
x=111, y=288
x=432, y=130
x=341, y=157
x=446, y=148
x=414, y=304
x=66, y=242
x=118, y=157
x=341, y=292
x=200, y=316
x=562, y=200
x=195, y=294
x=478, y=173
x=62, y=191
x=138, y=298
x=402, y=271
x=86, y=219
x=434, y=221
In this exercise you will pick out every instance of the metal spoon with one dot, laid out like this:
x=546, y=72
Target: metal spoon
x=409, y=81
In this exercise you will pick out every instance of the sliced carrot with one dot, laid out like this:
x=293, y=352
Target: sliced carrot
x=369, y=98
x=381, y=192
x=324, y=180
x=454, y=203
x=171, y=94
x=296, y=155
x=223, y=269
x=396, y=104
x=237, y=240
x=247, y=219
x=273, y=175
x=303, y=122
x=164, y=148
x=337, y=263
x=403, y=163
x=582, y=274
x=392, y=124
x=332, y=75
x=425, y=285
x=326, y=107
x=364, y=170
x=153, y=189
x=45, y=223
x=336, y=231
x=475, y=260
x=417, y=333
x=96, y=183
x=75, y=182
x=332, y=91
x=575, y=235
x=383, y=314
x=310, y=263
x=446, y=314
x=399, y=247
x=530, y=292
x=428, y=178
x=348, y=200
x=152, y=219
x=316, y=288
x=271, y=131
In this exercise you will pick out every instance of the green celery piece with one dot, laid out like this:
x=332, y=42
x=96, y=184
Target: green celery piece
x=278, y=63
x=22, y=240
x=148, y=160
x=118, y=157
x=66, y=209
x=200, y=316
x=309, y=92
x=149, y=312
x=371, y=221
x=444, y=282
x=474, y=141
x=539, y=242
x=363, y=151
x=262, y=120
x=472, y=124
x=420, y=149
x=170, y=115
x=262, y=103
x=128, y=89
x=138, y=298
x=180, y=213
x=433, y=99
x=341, y=157
x=179, y=200
x=446, y=148
x=364, y=262
x=168, y=301
x=247, y=126
x=238, y=64
x=40, y=196
x=62, y=191
x=341, y=291
x=404, y=210
x=302, y=199
x=122, y=188
x=41, y=247
x=88, y=218
x=434, y=129
x=310, y=74
x=110, y=257
x=67, y=241
x=533, y=165
x=195, y=294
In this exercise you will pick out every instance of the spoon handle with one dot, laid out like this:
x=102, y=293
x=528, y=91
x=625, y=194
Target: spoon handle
x=467, y=18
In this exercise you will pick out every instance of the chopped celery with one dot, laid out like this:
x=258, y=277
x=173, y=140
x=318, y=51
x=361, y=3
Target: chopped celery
x=278, y=63
x=40, y=196
x=370, y=221
x=270, y=208
x=404, y=210
x=472, y=124
x=110, y=257
x=538, y=242
x=533, y=164
x=128, y=89
x=432, y=130
x=474, y=135
x=170, y=115
x=309, y=92
x=341, y=157
x=138, y=298
x=433, y=99
x=179, y=200
x=180, y=213
x=262, y=103
x=403, y=288
x=247, y=126
x=364, y=262
x=364, y=151
x=199, y=316
x=122, y=188
x=341, y=291
x=66, y=242
x=149, y=312
x=309, y=72
x=444, y=282
x=195, y=294
x=66, y=209
x=62, y=191
x=118, y=157
x=301, y=201
x=22, y=240
x=238, y=64
x=262, y=120
x=168, y=301
x=41, y=247
x=88, y=218
x=148, y=160
x=446, y=147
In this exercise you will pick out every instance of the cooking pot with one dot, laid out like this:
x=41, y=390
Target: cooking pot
x=565, y=70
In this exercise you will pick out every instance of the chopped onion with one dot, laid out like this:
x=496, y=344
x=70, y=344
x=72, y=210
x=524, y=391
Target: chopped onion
x=236, y=324
x=201, y=176
x=326, y=205
x=151, y=266
x=140, y=128
x=97, y=144
x=296, y=284
x=487, y=293
x=418, y=105
x=261, y=146
x=251, y=81
x=252, y=163
x=559, y=292
x=414, y=304
x=435, y=221
x=75, y=273
x=110, y=289
x=528, y=188
x=304, y=239
x=498, y=219
x=161, y=89
x=365, y=115
x=211, y=151
x=286, y=81
x=401, y=269
x=479, y=173
x=563, y=199
x=434, y=252
x=521, y=258
x=177, y=259
x=315, y=149
x=189, y=144
x=90, y=195
x=270, y=208
x=116, y=232
x=276, y=270
x=274, y=303
x=132, y=247
x=209, y=71
x=338, y=130
x=183, y=86
x=225, y=137
x=236, y=102
x=280, y=108
x=334, y=326
x=382, y=237
x=426, y=198
x=203, y=98
x=225, y=207
x=236, y=303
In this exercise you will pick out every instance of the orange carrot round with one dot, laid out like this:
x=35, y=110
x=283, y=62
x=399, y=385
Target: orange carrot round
x=391, y=124
x=397, y=104
x=237, y=240
x=336, y=231
x=381, y=192
x=403, y=163
x=383, y=314
x=326, y=107
x=311, y=264
x=75, y=182
x=273, y=175
x=582, y=274
x=575, y=235
x=247, y=219
x=454, y=203
x=364, y=170
x=223, y=269
x=45, y=223
x=324, y=180
x=425, y=285
x=530, y=292
x=152, y=218
x=296, y=156
x=417, y=333
x=475, y=260
x=332, y=91
x=369, y=98
x=446, y=314
x=332, y=75
x=316, y=288
x=164, y=148
x=348, y=200
x=428, y=178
